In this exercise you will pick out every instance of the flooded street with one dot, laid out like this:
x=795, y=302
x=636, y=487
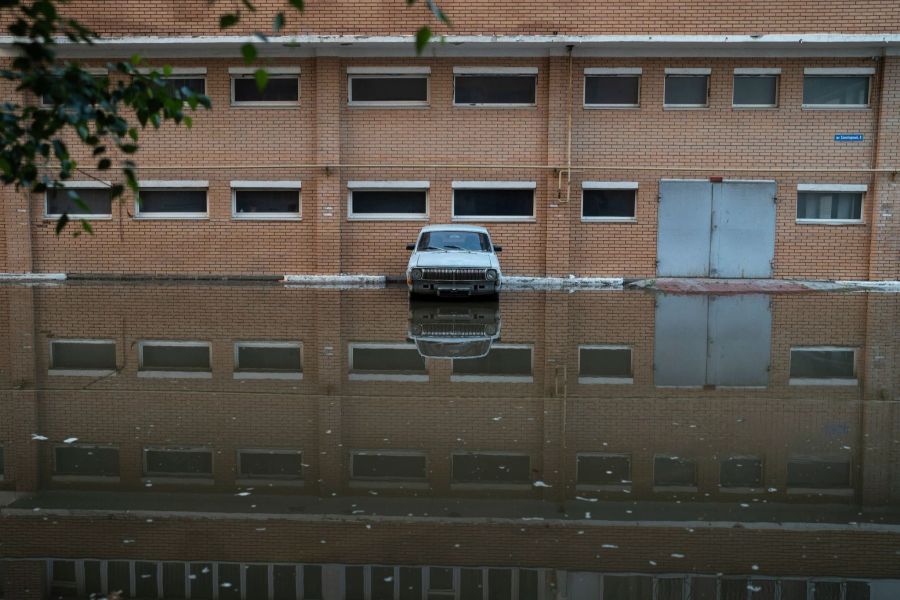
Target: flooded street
x=267, y=442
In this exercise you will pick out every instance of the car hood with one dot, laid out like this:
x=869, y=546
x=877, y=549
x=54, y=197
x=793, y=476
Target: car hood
x=455, y=259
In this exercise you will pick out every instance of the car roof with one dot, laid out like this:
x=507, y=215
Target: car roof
x=472, y=228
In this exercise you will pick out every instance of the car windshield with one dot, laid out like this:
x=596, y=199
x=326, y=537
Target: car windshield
x=454, y=240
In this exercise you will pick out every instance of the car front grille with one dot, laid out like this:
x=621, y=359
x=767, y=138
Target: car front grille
x=454, y=274
x=454, y=330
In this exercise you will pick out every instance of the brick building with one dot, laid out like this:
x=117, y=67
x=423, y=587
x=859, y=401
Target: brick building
x=617, y=140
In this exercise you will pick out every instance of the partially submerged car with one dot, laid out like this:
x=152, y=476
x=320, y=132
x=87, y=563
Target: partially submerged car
x=454, y=329
x=454, y=260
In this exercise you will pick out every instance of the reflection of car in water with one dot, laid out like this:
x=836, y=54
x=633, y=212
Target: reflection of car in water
x=454, y=260
x=453, y=329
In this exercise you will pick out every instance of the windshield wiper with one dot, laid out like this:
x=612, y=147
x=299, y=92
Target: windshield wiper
x=432, y=248
x=451, y=247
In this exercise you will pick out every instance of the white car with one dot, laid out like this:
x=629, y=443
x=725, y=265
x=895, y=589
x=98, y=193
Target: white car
x=454, y=260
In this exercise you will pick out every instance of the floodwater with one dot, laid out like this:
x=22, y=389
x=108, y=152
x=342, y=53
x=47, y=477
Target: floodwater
x=267, y=442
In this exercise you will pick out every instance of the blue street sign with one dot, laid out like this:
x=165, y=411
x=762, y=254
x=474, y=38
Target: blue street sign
x=848, y=137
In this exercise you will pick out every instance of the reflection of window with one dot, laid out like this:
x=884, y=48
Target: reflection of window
x=836, y=87
x=388, y=200
x=265, y=199
x=633, y=587
x=817, y=472
x=94, y=201
x=491, y=468
x=388, y=86
x=386, y=362
x=174, y=359
x=604, y=364
x=740, y=472
x=179, y=462
x=172, y=200
x=270, y=464
x=823, y=365
x=612, y=87
x=755, y=88
x=499, y=86
x=268, y=360
x=388, y=465
x=604, y=470
x=832, y=203
x=2, y=465
x=63, y=579
x=86, y=461
x=282, y=87
x=491, y=583
x=674, y=471
x=687, y=88
x=504, y=363
x=82, y=357
x=493, y=200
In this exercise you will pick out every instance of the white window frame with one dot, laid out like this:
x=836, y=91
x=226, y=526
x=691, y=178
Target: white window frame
x=690, y=72
x=244, y=479
x=369, y=482
x=868, y=72
x=388, y=186
x=285, y=375
x=464, y=378
x=256, y=186
x=811, y=491
x=609, y=185
x=176, y=478
x=389, y=73
x=837, y=381
x=607, y=487
x=154, y=374
x=79, y=372
x=736, y=489
x=676, y=488
x=590, y=380
x=274, y=73
x=352, y=376
x=459, y=485
x=497, y=185
x=97, y=478
x=837, y=188
x=172, y=186
x=79, y=185
x=612, y=72
x=756, y=72
x=501, y=72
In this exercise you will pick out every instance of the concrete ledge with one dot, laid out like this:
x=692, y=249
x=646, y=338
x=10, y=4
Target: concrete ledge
x=335, y=280
x=167, y=277
x=561, y=283
x=686, y=285
x=32, y=276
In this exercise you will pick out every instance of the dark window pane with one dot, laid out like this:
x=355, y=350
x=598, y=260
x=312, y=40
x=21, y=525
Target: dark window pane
x=368, y=465
x=229, y=581
x=818, y=473
x=284, y=582
x=272, y=465
x=201, y=581
x=174, y=581
x=759, y=90
x=278, y=89
x=792, y=589
x=763, y=589
x=491, y=468
x=98, y=202
x=119, y=577
x=93, y=583
x=734, y=589
x=703, y=588
x=388, y=202
x=179, y=462
x=354, y=583
x=145, y=582
x=826, y=590
x=471, y=584
x=172, y=201
x=454, y=240
x=603, y=470
x=387, y=360
x=495, y=89
x=823, y=364
x=740, y=472
x=858, y=590
x=499, y=584
x=63, y=571
x=382, y=583
x=837, y=90
x=493, y=203
x=632, y=587
x=180, y=358
x=829, y=205
x=269, y=358
x=81, y=355
x=312, y=582
x=605, y=362
x=674, y=471
x=266, y=201
x=498, y=362
x=2, y=463
x=440, y=579
x=612, y=89
x=197, y=85
x=670, y=589
x=98, y=462
x=608, y=203
x=410, y=583
x=528, y=585
x=257, y=581
x=388, y=89
x=686, y=89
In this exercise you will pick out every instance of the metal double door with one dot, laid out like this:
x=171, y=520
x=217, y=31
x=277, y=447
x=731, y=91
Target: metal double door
x=724, y=229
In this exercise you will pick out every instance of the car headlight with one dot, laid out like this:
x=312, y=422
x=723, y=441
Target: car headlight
x=491, y=275
x=417, y=274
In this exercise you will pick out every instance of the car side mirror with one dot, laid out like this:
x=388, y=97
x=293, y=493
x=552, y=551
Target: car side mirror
x=498, y=248
x=410, y=246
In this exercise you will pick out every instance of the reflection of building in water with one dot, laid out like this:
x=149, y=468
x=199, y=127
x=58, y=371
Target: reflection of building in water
x=735, y=431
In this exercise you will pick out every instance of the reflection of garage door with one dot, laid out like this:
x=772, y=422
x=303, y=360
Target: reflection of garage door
x=710, y=229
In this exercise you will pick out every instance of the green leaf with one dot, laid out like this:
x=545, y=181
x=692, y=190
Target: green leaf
x=229, y=20
x=248, y=51
x=422, y=37
x=298, y=4
x=104, y=164
x=61, y=222
x=87, y=226
x=249, y=5
x=438, y=13
x=278, y=22
x=262, y=79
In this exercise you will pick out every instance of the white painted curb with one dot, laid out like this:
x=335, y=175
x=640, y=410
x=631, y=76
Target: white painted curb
x=32, y=276
x=335, y=280
x=553, y=283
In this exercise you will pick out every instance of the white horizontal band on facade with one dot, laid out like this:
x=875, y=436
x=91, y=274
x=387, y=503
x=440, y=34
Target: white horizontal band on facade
x=757, y=71
x=172, y=183
x=495, y=70
x=272, y=185
x=388, y=185
x=832, y=187
x=839, y=71
x=609, y=185
x=97, y=70
x=497, y=185
x=173, y=71
x=688, y=71
x=84, y=185
x=276, y=70
x=388, y=70
x=613, y=71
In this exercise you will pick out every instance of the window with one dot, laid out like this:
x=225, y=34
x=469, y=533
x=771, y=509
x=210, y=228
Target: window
x=85, y=461
x=437, y=240
x=174, y=359
x=94, y=200
x=282, y=89
x=817, y=472
x=97, y=72
x=612, y=88
x=2, y=465
x=180, y=78
x=604, y=364
x=493, y=200
x=824, y=365
x=63, y=579
x=837, y=87
x=604, y=470
x=503, y=363
x=608, y=200
x=674, y=471
x=265, y=199
x=82, y=357
x=633, y=587
x=500, y=86
x=388, y=86
x=386, y=362
x=687, y=88
x=388, y=465
x=393, y=200
x=178, y=462
x=740, y=472
x=268, y=360
x=491, y=468
x=270, y=464
x=755, y=88
x=831, y=203
x=172, y=200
